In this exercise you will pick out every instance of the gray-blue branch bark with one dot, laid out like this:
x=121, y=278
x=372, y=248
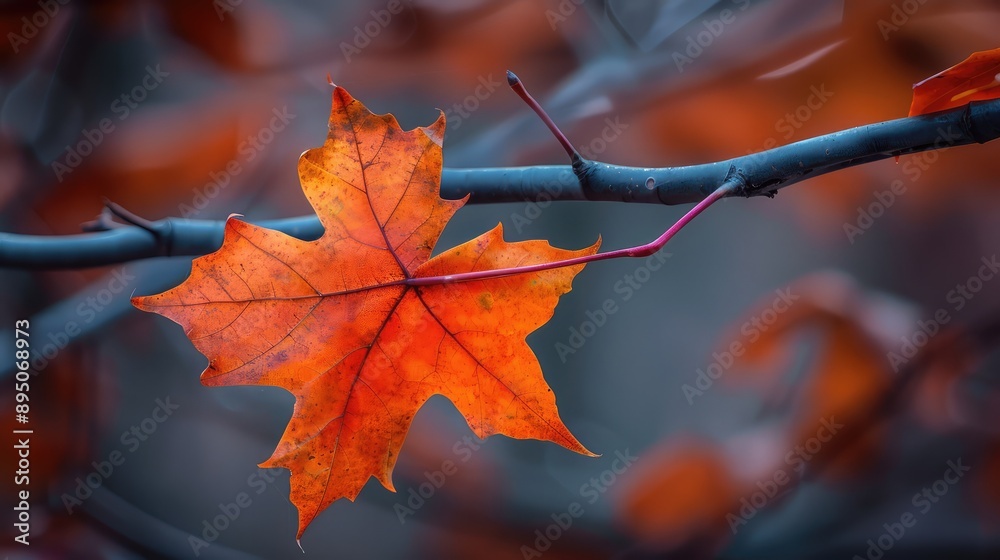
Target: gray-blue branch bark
x=758, y=174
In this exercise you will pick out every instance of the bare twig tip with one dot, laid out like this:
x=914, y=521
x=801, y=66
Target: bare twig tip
x=512, y=79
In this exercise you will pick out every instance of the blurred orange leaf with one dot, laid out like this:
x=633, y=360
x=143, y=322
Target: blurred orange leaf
x=335, y=322
x=986, y=491
x=974, y=79
x=681, y=492
x=848, y=374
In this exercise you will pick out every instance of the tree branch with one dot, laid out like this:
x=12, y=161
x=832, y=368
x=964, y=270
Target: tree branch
x=755, y=174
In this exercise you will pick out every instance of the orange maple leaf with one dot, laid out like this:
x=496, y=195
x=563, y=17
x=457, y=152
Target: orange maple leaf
x=974, y=79
x=339, y=323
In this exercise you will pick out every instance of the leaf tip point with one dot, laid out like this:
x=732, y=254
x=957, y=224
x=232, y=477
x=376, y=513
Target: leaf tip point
x=436, y=130
x=137, y=301
x=341, y=97
x=586, y=452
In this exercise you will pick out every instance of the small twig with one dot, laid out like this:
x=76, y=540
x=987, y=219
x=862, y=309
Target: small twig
x=637, y=251
x=103, y=222
x=515, y=84
x=161, y=230
x=134, y=219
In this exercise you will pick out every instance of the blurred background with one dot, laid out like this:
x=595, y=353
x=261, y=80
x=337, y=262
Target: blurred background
x=812, y=376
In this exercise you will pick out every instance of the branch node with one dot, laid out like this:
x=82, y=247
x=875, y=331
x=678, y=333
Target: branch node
x=103, y=222
x=736, y=183
x=130, y=218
